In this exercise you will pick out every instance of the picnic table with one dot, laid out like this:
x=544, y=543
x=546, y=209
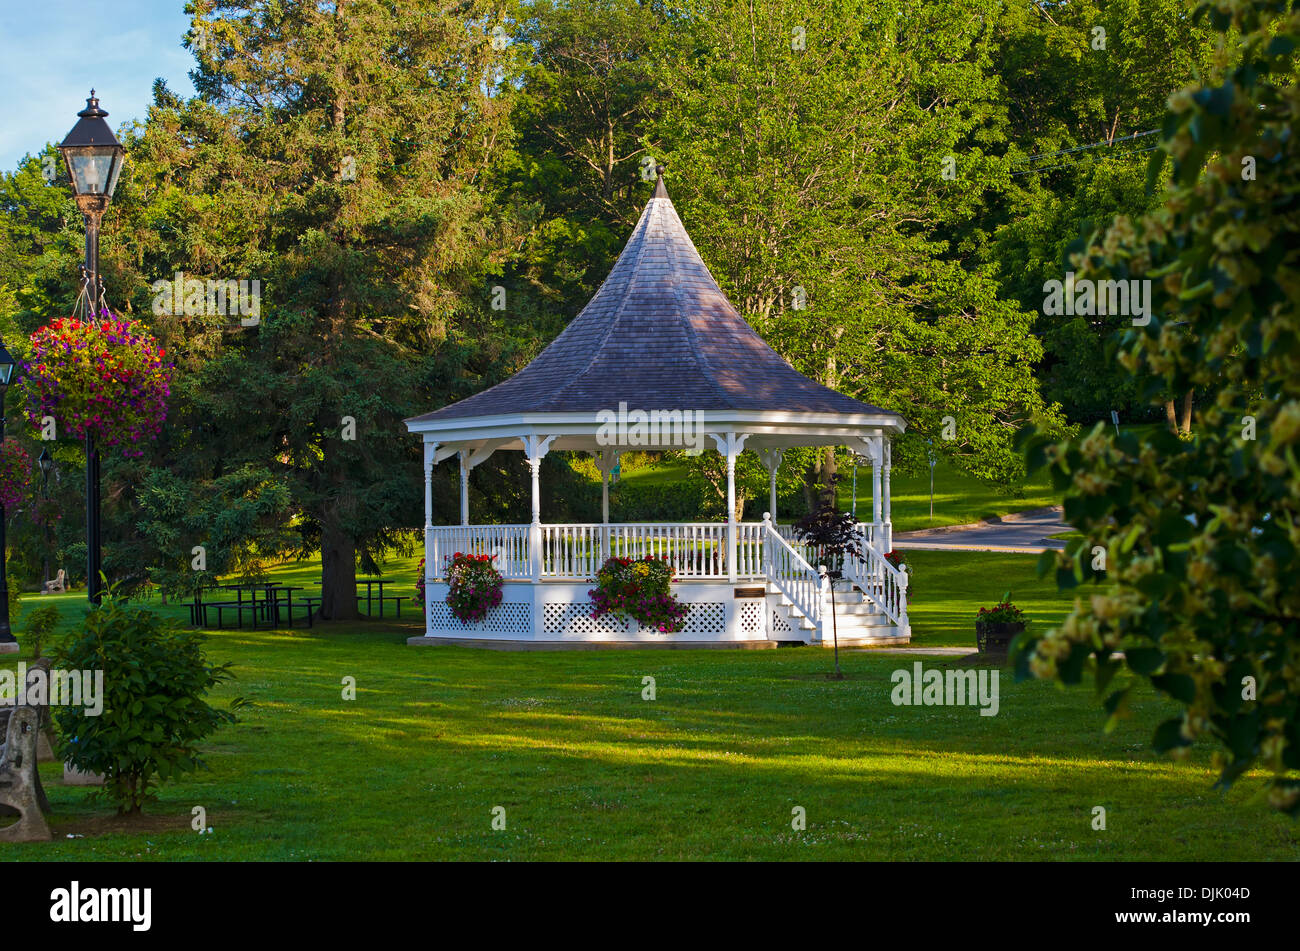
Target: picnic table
x=275, y=596
x=370, y=597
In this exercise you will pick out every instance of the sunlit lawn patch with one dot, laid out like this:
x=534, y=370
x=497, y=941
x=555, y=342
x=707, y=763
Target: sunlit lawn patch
x=711, y=768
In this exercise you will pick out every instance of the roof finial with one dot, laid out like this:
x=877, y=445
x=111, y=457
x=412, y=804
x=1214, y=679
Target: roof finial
x=92, y=109
x=660, y=191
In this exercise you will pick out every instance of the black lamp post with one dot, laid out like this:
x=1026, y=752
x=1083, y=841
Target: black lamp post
x=94, y=159
x=46, y=462
x=8, y=643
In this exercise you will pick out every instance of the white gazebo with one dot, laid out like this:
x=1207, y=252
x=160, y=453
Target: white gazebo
x=659, y=359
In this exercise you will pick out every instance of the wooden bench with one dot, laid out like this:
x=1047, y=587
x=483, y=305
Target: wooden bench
x=21, y=793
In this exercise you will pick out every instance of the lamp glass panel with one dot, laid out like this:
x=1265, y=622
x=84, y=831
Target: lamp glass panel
x=91, y=171
x=6, y=373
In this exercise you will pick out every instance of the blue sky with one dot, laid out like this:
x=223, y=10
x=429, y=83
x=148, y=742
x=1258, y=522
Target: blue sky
x=49, y=62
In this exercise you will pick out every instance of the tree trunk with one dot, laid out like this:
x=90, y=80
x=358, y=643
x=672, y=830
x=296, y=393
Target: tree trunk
x=827, y=489
x=1185, y=427
x=338, y=576
x=1171, y=415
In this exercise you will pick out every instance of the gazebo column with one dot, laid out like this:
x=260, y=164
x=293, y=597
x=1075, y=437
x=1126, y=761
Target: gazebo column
x=469, y=458
x=887, y=539
x=876, y=506
x=430, y=556
x=606, y=460
x=731, y=446
x=464, y=487
x=772, y=460
x=535, y=448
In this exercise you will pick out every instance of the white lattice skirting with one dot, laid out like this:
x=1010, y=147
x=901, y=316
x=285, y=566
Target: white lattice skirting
x=561, y=612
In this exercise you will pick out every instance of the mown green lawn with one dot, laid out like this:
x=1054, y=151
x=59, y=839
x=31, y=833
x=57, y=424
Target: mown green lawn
x=710, y=769
x=948, y=588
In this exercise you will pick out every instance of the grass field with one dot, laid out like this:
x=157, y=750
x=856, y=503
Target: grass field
x=711, y=768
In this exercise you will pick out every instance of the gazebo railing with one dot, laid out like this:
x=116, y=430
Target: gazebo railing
x=883, y=583
x=509, y=543
x=697, y=550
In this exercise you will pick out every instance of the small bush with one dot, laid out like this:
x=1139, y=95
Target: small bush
x=39, y=625
x=154, y=712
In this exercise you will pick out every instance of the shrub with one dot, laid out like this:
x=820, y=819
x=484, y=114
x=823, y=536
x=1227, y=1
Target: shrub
x=474, y=586
x=639, y=589
x=38, y=626
x=154, y=711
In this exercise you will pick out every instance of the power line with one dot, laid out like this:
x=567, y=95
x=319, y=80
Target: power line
x=1030, y=171
x=1094, y=145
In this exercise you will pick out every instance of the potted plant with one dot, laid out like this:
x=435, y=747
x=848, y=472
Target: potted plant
x=107, y=378
x=996, y=626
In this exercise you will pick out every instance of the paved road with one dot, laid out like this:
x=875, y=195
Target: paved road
x=1022, y=531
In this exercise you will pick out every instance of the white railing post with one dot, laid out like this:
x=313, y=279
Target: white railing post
x=887, y=539
x=824, y=604
x=766, y=567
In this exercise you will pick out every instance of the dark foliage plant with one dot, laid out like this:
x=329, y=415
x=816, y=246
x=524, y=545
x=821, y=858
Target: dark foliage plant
x=156, y=679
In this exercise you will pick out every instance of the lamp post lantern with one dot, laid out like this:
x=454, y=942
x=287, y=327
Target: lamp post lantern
x=94, y=159
x=8, y=643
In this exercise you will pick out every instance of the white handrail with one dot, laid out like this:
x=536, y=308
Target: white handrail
x=791, y=573
x=881, y=582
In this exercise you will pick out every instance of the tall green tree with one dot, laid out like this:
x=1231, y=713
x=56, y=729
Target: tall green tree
x=1085, y=85
x=343, y=147
x=819, y=155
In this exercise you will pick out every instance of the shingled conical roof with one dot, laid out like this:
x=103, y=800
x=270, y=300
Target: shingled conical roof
x=659, y=334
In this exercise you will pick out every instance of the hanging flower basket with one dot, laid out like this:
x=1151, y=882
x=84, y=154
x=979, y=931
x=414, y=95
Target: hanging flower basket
x=15, y=474
x=105, y=378
x=473, y=586
x=641, y=590
x=419, y=587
